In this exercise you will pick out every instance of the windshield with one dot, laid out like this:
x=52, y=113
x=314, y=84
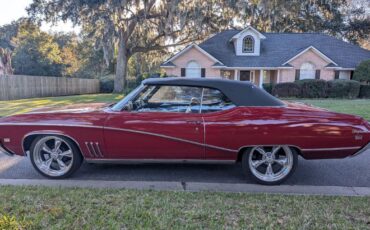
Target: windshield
x=122, y=103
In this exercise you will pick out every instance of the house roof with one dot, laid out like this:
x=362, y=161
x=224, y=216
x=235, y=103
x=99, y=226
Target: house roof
x=169, y=63
x=240, y=33
x=241, y=93
x=278, y=48
x=313, y=49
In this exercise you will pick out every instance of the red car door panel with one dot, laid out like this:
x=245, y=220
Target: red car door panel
x=154, y=135
x=276, y=126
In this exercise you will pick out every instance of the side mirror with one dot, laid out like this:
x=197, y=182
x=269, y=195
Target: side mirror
x=111, y=105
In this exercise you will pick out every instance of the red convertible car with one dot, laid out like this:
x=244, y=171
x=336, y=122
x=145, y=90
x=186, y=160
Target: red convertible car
x=185, y=119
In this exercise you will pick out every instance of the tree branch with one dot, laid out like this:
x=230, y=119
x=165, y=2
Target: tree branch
x=131, y=26
x=159, y=47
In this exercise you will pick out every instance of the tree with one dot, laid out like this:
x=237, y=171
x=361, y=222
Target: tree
x=7, y=32
x=91, y=59
x=138, y=25
x=339, y=18
x=36, y=52
x=68, y=44
x=5, y=62
x=146, y=63
x=362, y=72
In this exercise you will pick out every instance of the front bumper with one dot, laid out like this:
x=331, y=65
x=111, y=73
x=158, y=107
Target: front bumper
x=364, y=149
x=5, y=151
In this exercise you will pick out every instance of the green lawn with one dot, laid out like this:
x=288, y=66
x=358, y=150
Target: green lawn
x=25, y=105
x=59, y=208
x=359, y=107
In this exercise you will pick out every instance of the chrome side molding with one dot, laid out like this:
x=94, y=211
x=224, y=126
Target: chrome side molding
x=364, y=149
x=162, y=161
x=331, y=149
x=6, y=152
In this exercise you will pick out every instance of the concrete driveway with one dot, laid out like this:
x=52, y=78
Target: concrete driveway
x=349, y=172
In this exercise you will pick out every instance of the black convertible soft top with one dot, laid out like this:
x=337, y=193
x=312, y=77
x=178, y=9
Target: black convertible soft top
x=241, y=93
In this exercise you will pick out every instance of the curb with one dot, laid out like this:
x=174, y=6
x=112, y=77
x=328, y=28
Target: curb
x=195, y=187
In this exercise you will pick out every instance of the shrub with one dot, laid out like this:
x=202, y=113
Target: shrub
x=107, y=84
x=343, y=89
x=362, y=72
x=313, y=88
x=268, y=87
x=286, y=89
x=365, y=91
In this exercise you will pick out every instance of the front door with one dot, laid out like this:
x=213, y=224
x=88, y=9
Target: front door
x=245, y=75
x=164, y=123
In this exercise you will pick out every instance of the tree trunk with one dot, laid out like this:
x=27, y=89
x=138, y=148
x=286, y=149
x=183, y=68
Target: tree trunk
x=121, y=68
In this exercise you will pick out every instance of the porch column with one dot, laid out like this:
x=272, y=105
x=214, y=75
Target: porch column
x=235, y=74
x=261, y=79
x=278, y=76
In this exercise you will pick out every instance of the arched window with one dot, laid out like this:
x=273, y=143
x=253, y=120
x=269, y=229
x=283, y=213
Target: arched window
x=248, y=44
x=193, y=69
x=307, y=71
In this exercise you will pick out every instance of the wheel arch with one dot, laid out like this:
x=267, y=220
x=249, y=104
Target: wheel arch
x=247, y=148
x=30, y=137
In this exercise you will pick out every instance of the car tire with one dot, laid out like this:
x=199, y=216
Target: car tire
x=52, y=162
x=281, y=171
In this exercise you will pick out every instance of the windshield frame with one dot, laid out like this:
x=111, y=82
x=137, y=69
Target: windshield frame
x=118, y=107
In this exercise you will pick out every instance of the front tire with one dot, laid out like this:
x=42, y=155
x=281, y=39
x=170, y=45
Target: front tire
x=55, y=157
x=269, y=165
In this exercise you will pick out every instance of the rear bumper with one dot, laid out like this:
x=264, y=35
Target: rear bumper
x=5, y=151
x=364, y=149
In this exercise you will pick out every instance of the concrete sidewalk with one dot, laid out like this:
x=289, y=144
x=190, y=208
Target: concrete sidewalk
x=195, y=186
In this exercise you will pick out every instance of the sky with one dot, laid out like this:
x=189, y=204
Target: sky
x=15, y=9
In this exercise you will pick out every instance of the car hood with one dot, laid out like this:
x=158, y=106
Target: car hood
x=75, y=108
x=77, y=114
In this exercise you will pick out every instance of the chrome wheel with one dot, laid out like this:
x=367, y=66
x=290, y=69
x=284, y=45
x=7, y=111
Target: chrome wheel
x=271, y=164
x=53, y=156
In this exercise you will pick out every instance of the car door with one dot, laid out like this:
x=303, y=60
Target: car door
x=164, y=123
x=221, y=119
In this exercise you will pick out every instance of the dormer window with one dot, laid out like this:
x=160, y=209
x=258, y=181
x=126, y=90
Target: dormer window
x=248, y=44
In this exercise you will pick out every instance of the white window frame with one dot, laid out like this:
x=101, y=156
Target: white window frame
x=193, y=67
x=249, y=37
x=307, y=71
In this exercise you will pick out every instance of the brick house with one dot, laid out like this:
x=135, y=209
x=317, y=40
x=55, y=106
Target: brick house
x=249, y=55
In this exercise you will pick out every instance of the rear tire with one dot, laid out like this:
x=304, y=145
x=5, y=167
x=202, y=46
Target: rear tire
x=55, y=157
x=269, y=165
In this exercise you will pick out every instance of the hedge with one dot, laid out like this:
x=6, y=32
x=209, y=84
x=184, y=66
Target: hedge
x=365, y=91
x=320, y=89
x=107, y=84
x=313, y=88
x=268, y=87
x=286, y=89
x=343, y=89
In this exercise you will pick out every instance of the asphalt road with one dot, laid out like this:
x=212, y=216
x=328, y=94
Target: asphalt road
x=339, y=172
